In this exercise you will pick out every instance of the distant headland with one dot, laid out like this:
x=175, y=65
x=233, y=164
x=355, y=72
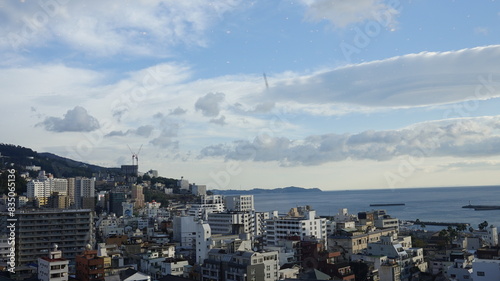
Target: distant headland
x=290, y=189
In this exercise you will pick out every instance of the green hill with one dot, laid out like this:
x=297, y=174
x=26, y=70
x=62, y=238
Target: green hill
x=19, y=157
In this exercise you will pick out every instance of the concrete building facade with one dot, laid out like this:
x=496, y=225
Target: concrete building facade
x=37, y=229
x=239, y=203
x=300, y=221
x=53, y=267
x=240, y=265
x=231, y=222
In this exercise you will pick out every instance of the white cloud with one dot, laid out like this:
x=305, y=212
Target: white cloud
x=178, y=111
x=342, y=13
x=427, y=78
x=143, y=131
x=75, y=120
x=103, y=28
x=457, y=138
x=219, y=121
x=471, y=165
x=209, y=104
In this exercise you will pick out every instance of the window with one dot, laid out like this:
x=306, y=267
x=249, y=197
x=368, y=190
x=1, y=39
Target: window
x=480, y=273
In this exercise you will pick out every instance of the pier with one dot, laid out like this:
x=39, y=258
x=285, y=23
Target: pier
x=388, y=204
x=440, y=223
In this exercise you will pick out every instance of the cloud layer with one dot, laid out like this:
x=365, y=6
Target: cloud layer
x=423, y=79
x=457, y=138
x=103, y=28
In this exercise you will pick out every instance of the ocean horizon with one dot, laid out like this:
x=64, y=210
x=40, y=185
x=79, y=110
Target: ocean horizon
x=437, y=204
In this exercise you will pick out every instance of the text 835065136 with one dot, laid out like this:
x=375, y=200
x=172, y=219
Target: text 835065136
x=11, y=221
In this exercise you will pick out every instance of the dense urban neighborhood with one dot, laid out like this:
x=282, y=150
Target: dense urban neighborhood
x=127, y=225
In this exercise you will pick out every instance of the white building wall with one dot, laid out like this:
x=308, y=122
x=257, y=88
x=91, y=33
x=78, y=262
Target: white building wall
x=259, y=221
x=485, y=270
x=492, y=238
x=239, y=203
x=459, y=271
x=173, y=267
x=203, y=241
x=185, y=231
x=280, y=228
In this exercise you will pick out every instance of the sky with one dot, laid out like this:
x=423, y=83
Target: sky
x=233, y=94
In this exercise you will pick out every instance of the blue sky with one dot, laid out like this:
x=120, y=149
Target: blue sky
x=356, y=95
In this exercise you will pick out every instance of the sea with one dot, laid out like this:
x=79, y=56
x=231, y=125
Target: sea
x=443, y=204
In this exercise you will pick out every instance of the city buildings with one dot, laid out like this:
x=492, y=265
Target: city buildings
x=41, y=189
x=352, y=241
x=92, y=266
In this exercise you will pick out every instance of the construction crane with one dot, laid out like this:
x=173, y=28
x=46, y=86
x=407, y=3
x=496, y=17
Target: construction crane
x=135, y=156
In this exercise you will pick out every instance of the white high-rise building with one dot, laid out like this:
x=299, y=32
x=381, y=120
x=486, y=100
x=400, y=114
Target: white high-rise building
x=209, y=204
x=42, y=187
x=239, y=203
x=185, y=231
x=300, y=221
x=203, y=241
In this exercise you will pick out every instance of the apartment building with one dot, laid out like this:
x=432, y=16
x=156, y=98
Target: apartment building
x=138, y=196
x=240, y=265
x=239, y=203
x=231, y=222
x=43, y=187
x=402, y=258
x=208, y=204
x=85, y=192
x=300, y=221
x=38, y=229
x=352, y=241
